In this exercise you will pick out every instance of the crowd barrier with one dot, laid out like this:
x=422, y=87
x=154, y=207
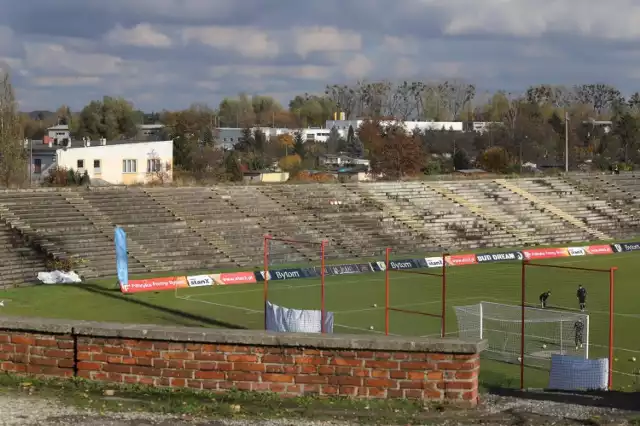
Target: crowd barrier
x=232, y=278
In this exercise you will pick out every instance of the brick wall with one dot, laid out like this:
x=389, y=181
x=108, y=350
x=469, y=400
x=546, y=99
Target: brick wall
x=218, y=360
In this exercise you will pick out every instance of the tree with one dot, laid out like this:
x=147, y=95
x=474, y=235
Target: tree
x=290, y=163
x=343, y=97
x=335, y=143
x=601, y=97
x=495, y=160
x=353, y=145
x=395, y=154
x=298, y=146
x=627, y=129
x=110, y=118
x=246, y=142
x=461, y=160
x=12, y=152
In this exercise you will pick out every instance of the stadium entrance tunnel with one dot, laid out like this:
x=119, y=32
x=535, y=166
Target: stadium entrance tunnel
x=290, y=364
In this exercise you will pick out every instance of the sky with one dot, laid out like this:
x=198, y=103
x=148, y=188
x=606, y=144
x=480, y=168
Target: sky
x=167, y=54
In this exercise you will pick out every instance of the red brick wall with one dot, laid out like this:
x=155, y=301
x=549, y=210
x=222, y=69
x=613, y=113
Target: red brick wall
x=290, y=371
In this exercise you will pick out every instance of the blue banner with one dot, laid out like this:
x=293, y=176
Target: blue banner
x=122, y=259
x=288, y=274
x=352, y=268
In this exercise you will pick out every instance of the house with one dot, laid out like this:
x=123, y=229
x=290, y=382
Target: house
x=59, y=134
x=265, y=176
x=120, y=162
x=341, y=160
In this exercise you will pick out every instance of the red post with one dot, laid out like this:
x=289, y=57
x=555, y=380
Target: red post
x=386, y=291
x=444, y=296
x=266, y=276
x=611, y=297
x=522, y=310
x=322, y=301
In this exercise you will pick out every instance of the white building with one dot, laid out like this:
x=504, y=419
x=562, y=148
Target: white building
x=343, y=125
x=118, y=162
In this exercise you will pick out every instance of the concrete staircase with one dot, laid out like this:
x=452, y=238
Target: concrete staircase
x=553, y=209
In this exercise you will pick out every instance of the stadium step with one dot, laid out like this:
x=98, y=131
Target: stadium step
x=553, y=209
x=482, y=213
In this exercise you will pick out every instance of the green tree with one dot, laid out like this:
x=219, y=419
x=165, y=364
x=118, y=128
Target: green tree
x=353, y=145
x=110, y=118
x=12, y=152
x=299, y=146
x=335, y=143
x=461, y=160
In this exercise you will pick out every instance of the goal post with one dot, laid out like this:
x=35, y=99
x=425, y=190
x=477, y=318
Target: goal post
x=548, y=332
x=401, y=294
x=287, y=253
x=563, y=282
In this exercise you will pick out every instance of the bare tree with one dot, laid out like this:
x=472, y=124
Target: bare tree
x=12, y=151
x=408, y=99
x=374, y=98
x=601, y=97
x=457, y=96
x=344, y=97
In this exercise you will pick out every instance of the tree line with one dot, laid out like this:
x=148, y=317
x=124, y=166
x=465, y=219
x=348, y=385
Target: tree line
x=527, y=127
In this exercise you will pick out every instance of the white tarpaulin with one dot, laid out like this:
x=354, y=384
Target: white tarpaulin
x=287, y=320
x=574, y=373
x=58, y=277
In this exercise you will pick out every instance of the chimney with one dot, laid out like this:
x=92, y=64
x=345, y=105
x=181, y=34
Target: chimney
x=342, y=116
x=335, y=116
x=88, y=142
x=103, y=141
x=50, y=143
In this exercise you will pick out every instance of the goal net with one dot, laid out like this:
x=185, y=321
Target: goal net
x=547, y=332
x=289, y=304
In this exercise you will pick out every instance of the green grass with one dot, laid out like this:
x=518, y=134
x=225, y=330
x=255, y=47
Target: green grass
x=353, y=297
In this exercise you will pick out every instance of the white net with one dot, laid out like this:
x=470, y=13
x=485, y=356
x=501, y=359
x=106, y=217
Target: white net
x=547, y=332
x=288, y=320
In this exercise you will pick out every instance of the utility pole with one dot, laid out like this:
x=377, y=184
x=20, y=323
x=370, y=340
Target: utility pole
x=566, y=142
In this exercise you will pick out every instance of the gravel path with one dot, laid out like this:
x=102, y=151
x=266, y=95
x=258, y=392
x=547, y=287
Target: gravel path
x=21, y=410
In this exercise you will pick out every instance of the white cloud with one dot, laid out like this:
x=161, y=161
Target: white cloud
x=306, y=72
x=142, y=35
x=247, y=41
x=56, y=58
x=66, y=81
x=359, y=66
x=400, y=46
x=529, y=18
x=324, y=39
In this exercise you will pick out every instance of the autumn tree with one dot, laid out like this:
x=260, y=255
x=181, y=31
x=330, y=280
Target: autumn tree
x=396, y=155
x=285, y=141
x=12, y=152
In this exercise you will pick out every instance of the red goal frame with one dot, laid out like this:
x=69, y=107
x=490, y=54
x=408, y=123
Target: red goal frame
x=322, y=246
x=387, y=299
x=611, y=276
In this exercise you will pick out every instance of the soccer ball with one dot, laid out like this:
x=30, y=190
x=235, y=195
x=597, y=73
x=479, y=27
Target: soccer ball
x=371, y=328
x=633, y=359
x=375, y=305
x=519, y=359
x=544, y=346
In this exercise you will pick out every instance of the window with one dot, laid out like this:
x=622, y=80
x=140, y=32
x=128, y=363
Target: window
x=129, y=166
x=80, y=164
x=153, y=165
x=96, y=166
x=37, y=165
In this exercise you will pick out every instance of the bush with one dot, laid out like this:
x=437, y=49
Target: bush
x=61, y=176
x=63, y=264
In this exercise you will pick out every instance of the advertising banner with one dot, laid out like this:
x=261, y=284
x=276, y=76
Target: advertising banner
x=122, y=258
x=499, y=257
x=601, y=249
x=545, y=253
x=433, y=262
x=156, y=284
x=626, y=247
x=286, y=274
x=353, y=268
x=461, y=260
x=199, y=280
x=577, y=251
x=231, y=278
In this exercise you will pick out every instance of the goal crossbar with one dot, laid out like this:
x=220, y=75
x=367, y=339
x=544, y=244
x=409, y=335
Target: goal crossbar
x=389, y=308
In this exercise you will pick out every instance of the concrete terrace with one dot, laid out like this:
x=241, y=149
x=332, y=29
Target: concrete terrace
x=222, y=226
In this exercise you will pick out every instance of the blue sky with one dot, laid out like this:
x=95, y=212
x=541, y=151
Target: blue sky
x=171, y=53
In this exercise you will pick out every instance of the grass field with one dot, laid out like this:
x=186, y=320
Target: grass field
x=358, y=303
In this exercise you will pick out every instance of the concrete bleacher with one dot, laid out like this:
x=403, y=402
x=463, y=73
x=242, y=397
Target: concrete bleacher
x=211, y=228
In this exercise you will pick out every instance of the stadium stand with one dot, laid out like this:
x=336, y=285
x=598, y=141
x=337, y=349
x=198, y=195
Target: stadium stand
x=222, y=226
